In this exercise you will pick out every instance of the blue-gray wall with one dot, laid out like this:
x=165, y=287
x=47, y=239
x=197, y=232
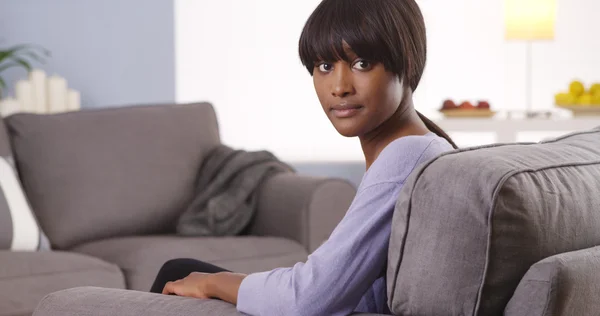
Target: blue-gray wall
x=114, y=52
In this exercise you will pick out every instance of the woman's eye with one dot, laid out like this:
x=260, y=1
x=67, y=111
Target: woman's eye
x=325, y=67
x=362, y=65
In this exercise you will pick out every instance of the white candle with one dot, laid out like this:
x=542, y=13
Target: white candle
x=57, y=94
x=9, y=106
x=24, y=94
x=73, y=100
x=37, y=78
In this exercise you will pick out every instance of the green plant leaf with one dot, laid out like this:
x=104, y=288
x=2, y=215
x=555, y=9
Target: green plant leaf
x=21, y=62
x=26, y=49
x=11, y=51
x=9, y=65
x=18, y=48
x=21, y=56
x=2, y=83
x=34, y=56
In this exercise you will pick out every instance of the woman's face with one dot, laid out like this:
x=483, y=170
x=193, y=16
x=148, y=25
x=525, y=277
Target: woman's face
x=357, y=97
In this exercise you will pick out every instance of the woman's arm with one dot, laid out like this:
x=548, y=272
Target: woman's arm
x=337, y=274
x=333, y=279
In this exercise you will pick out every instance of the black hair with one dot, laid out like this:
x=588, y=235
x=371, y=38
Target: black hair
x=388, y=31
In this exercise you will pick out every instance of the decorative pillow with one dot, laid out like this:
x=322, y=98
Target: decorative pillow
x=19, y=230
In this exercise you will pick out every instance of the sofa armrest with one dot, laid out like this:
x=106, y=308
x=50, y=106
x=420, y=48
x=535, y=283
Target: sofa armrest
x=562, y=285
x=302, y=208
x=95, y=301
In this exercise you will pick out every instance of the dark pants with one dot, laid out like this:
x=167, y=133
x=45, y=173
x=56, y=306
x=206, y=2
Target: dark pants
x=177, y=269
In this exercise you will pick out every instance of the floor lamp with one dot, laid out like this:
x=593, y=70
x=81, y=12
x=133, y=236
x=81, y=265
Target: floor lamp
x=529, y=21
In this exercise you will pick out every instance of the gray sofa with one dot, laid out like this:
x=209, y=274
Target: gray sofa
x=107, y=186
x=499, y=230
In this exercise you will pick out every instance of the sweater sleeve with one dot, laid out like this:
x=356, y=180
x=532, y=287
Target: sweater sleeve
x=335, y=277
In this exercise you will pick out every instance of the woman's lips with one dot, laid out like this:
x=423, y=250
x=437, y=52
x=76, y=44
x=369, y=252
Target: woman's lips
x=345, y=111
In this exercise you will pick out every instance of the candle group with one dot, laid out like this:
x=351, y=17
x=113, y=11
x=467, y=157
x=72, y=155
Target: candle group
x=41, y=94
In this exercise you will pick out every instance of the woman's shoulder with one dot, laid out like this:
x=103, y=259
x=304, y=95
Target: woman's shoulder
x=402, y=156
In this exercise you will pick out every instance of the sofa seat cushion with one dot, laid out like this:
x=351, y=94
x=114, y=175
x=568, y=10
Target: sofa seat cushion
x=26, y=277
x=140, y=258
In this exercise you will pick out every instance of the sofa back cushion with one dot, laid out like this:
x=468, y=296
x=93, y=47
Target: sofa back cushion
x=562, y=285
x=111, y=172
x=469, y=224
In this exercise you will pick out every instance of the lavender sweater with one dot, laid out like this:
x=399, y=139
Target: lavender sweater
x=346, y=273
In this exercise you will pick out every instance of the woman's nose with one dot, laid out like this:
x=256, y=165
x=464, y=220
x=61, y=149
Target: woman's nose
x=342, y=85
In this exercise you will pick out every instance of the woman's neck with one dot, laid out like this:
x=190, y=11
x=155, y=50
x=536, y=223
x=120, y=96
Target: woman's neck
x=404, y=122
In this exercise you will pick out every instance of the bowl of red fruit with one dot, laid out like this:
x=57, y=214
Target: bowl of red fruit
x=467, y=109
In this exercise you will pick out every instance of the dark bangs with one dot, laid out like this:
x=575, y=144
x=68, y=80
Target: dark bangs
x=339, y=21
x=377, y=30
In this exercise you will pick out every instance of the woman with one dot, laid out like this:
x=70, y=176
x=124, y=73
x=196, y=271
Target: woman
x=366, y=58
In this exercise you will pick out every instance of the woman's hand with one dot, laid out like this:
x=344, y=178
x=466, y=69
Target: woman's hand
x=194, y=285
x=224, y=286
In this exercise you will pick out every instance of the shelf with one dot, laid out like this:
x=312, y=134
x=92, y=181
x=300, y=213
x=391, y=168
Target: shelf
x=507, y=130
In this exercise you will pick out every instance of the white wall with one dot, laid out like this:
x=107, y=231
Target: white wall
x=469, y=58
x=242, y=56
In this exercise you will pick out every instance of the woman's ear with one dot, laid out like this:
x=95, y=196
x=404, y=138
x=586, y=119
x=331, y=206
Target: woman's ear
x=403, y=81
x=406, y=85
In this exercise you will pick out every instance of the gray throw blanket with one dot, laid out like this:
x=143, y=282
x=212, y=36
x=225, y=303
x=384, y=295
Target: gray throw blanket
x=226, y=191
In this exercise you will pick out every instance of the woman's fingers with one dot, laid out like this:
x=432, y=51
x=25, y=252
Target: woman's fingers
x=168, y=289
x=184, y=287
x=194, y=285
x=173, y=287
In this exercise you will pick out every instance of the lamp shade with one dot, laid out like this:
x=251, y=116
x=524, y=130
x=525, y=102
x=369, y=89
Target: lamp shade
x=530, y=19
